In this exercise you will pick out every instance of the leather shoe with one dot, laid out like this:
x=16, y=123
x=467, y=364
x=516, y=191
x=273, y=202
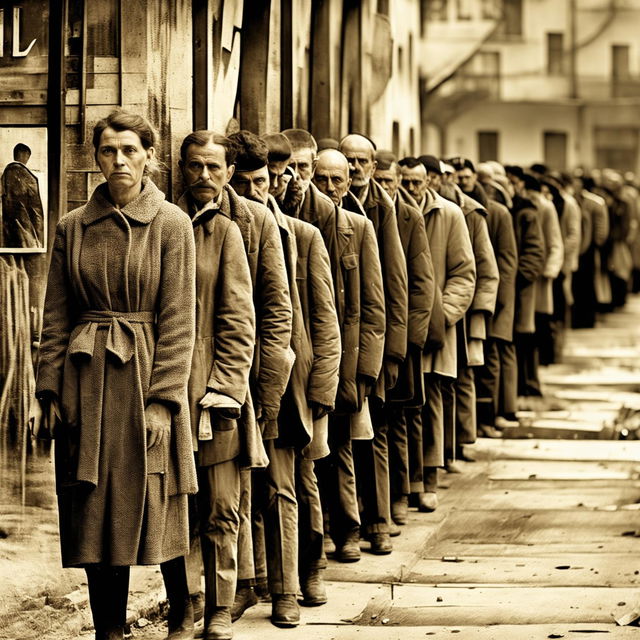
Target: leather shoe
x=314, y=593
x=487, y=431
x=427, y=501
x=380, y=544
x=218, y=627
x=399, y=510
x=285, y=611
x=262, y=590
x=245, y=598
x=197, y=602
x=453, y=466
x=394, y=529
x=180, y=621
x=349, y=551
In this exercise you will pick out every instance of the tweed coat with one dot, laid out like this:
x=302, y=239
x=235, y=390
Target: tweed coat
x=487, y=279
x=455, y=274
x=272, y=357
x=359, y=295
x=554, y=250
x=315, y=338
x=531, y=261
x=421, y=280
x=503, y=240
x=379, y=208
x=225, y=332
x=118, y=335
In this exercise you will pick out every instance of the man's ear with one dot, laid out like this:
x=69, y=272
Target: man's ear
x=314, y=164
x=230, y=171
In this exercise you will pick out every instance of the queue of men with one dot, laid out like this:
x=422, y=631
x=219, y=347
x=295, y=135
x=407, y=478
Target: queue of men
x=361, y=318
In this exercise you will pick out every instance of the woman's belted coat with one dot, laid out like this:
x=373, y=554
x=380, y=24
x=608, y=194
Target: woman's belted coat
x=118, y=335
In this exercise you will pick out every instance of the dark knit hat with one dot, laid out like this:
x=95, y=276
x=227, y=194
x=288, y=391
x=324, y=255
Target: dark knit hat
x=431, y=163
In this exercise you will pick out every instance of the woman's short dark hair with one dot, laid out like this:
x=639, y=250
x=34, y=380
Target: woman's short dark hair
x=124, y=121
x=202, y=137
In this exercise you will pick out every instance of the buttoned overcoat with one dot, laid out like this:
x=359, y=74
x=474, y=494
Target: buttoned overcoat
x=118, y=334
x=225, y=332
x=455, y=274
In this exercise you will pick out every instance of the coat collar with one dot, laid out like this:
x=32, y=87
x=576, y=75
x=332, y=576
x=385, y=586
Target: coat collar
x=142, y=209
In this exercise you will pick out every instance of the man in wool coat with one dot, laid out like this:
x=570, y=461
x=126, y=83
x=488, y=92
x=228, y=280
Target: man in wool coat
x=361, y=312
x=310, y=393
x=455, y=274
x=491, y=395
x=355, y=265
x=409, y=393
x=223, y=422
x=372, y=456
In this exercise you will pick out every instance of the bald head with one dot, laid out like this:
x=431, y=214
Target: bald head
x=332, y=174
x=360, y=153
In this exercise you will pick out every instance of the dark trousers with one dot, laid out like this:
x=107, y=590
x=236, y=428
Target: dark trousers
x=219, y=523
x=425, y=429
x=448, y=386
x=465, y=407
x=398, y=418
x=583, y=313
x=527, y=356
x=496, y=382
x=337, y=478
x=372, y=472
x=311, y=554
x=274, y=520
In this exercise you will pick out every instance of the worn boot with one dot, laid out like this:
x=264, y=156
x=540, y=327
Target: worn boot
x=349, y=550
x=314, y=592
x=380, y=544
x=285, y=612
x=399, y=510
x=427, y=501
x=180, y=618
x=197, y=602
x=245, y=597
x=218, y=624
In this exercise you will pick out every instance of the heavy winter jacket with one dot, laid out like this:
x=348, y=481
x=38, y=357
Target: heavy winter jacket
x=225, y=330
x=415, y=245
x=531, y=261
x=315, y=336
x=379, y=208
x=272, y=358
x=455, y=274
x=554, y=250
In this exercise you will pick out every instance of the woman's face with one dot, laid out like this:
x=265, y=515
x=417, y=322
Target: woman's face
x=122, y=158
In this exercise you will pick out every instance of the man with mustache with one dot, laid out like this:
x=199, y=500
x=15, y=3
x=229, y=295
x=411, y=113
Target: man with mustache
x=221, y=383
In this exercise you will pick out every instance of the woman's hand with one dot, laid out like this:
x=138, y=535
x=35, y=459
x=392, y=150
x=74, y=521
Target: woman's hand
x=158, y=421
x=44, y=415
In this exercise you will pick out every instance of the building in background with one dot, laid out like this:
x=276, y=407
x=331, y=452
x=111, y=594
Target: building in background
x=556, y=81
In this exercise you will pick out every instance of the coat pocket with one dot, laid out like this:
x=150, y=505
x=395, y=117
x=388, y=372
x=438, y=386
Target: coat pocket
x=350, y=265
x=158, y=456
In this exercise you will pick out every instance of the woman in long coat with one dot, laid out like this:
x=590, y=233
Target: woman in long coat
x=114, y=362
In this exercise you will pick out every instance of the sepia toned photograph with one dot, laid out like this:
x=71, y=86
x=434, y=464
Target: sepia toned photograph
x=319, y=319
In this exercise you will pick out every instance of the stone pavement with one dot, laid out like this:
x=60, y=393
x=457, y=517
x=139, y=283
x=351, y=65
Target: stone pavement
x=540, y=537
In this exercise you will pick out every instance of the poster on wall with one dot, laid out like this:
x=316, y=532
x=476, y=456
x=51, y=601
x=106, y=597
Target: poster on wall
x=23, y=189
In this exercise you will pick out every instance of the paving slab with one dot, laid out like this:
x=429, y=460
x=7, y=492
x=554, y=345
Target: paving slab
x=417, y=604
x=584, y=470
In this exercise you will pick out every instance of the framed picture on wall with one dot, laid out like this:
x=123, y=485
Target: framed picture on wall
x=23, y=189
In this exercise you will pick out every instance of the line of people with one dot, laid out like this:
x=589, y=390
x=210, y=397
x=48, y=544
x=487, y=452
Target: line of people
x=357, y=320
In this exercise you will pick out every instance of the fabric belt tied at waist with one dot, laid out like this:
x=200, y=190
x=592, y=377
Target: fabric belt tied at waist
x=121, y=338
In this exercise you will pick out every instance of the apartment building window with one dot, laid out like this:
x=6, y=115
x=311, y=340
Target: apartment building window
x=620, y=71
x=436, y=10
x=487, y=145
x=616, y=147
x=491, y=9
x=464, y=9
x=555, y=149
x=555, y=54
x=395, y=138
x=383, y=7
